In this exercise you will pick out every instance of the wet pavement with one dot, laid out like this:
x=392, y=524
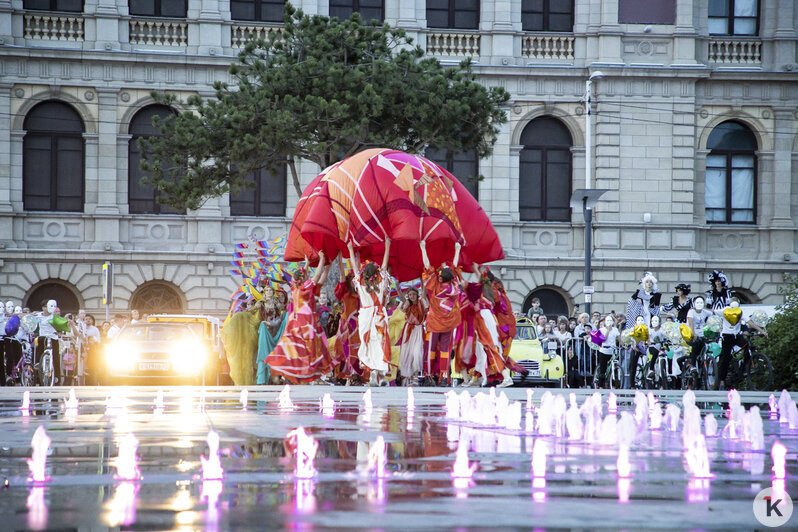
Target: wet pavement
x=581, y=487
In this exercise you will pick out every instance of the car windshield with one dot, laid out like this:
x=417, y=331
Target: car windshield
x=157, y=332
x=525, y=332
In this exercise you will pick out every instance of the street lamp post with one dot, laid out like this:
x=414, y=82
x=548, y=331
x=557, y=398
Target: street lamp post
x=588, y=196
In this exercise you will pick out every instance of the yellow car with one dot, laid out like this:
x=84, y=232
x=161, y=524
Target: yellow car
x=544, y=368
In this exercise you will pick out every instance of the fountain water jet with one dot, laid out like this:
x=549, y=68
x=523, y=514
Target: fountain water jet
x=573, y=420
x=25, y=408
x=539, y=452
x=212, y=466
x=672, y=415
x=38, y=460
x=452, y=405
x=71, y=404
x=367, y=406
x=529, y=405
x=773, y=405
x=327, y=406
x=244, y=398
x=461, y=467
x=159, y=404
x=304, y=448
x=779, y=454
x=378, y=459
x=202, y=400
x=710, y=426
x=411, y=400
x=756, y=433
x=126, y=462
x=784, y=405
x=622, y=463
x=37, y=508
x=698, y=458
x=612, y=403
x=285, y=398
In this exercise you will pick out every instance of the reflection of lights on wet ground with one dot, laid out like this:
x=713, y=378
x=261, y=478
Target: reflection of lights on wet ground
x=624, y=487
x=539, y=489
x=461, y=485
x=182, y=500
x=304, y=499
x=122, y=508
x=186, y=518
x=211, y=490
x=698, y=490
x=37, y=508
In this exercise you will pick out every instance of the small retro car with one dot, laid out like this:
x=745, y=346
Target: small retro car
x=174, y=351
x=546, y=367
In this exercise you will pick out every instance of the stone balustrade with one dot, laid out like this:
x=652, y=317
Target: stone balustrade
x=735, y=51
x=241, y=33
x=453, y=44
x=548, y=46
x=159, y=32
x=53, y=27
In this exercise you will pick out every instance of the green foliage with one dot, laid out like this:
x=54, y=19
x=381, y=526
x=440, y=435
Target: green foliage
x=319, y=90
x=781, y=344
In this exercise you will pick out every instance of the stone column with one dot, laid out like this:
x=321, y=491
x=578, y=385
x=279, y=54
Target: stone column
x=208, y=25
x=782, y=166
x=501, y=22
x=609, y=40
x=107, y=21
x=106, y=166
x=515, y=180
x=684, y=34
x=784, y=52
x=5, y=152
x=90, y=170
x=6, y=31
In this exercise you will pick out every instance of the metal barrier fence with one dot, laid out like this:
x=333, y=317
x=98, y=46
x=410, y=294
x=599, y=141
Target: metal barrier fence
x=587, y=361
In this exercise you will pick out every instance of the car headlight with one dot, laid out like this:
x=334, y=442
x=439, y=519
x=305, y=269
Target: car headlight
x=188, y=356
x=120, y=356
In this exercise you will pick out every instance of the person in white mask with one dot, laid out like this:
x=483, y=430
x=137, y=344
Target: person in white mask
x=46, y=330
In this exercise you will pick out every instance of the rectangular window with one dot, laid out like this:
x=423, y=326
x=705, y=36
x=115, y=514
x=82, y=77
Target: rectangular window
x=715, y=195
x=558, y=198
x=530, y=202
x=72, y=6
x=647, y=11
x=547, y=15
x=257, y=10
x=69, y=185
x=38, y=169
x=158, y=8
x=733, y=17
x=742, y=188
x=453, y=14
x=268, y=198
x=369, y=9
x=462, y=165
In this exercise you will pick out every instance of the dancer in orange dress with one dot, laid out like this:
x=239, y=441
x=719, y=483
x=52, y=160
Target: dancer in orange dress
x=302, y=354
x=372, y=320
x=347, y=341
x=443, y=293
x=503, y=311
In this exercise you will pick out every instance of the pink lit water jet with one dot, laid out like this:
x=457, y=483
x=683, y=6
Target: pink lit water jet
x=211, y=490
x=779, y=454
x=622, y=463
x=244, y=398
x=126, y=462
x=756, y=433
x=122, y=508
x=378, y=459
x=539, y=452
x=327, y=406
x=461, y=467
x=304, y=447
x=697, y=458
x=367, y=405
x=25, y=408
x=212, y=466
x=71, y=404
x=710, y=426
x=612, y=403
x=38, y=460
x=529, y=405
x=784, y=406
x=624, y=487
x=285, y=398
x=773, y=405
x=698, y=490
x=411, y=400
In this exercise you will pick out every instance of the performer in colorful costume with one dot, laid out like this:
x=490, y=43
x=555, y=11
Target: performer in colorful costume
x=302, y=354
x=411, y=360
x=347, y=341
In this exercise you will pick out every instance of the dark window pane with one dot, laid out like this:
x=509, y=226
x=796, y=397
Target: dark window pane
x=272, y=12
x=70, y=5
x=371, y=13
x=53, y=117
x=561, y=6
x=532, y=6
x=437, y=19
x=173, y=8
x=36, y=172
x=38, y=4
x=462, y=165
x=718, y=8
x=531, y=22
x=438, y=4
x=467, y=20
x=242, y=9
x=545, y=171
x=142, y=7
x=466, y=5
x=267, y=198
x=546, y=131
x=342, y=13
x=561, y=23
x=141, y=197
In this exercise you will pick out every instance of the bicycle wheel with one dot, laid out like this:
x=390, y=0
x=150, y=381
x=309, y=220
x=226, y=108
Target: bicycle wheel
x=26, y=376
x=710, y=372
x=596, y=378
x=760, y=373
x=616, y=376
x=46, y=370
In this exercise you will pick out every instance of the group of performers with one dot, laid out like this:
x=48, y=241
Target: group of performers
x=449, y=324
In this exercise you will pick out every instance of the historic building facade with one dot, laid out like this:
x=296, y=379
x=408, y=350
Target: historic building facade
x=694, y=137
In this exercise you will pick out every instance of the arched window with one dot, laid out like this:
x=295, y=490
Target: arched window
x=63, y=295
x=731, y=174
x=157, y=298
x=551, y=301
x=462, y=165
x=544, y=190
x=266, y=199
x=142, y=198
x=53, y=159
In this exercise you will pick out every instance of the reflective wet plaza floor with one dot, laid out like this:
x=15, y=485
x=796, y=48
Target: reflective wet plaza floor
x=578, y=486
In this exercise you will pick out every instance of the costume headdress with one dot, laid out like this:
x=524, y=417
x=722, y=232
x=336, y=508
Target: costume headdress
x=648, y=276
x=717, y=275
x=685, y=288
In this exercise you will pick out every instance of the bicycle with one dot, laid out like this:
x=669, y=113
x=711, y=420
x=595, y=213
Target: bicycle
x=45, y=371
x=22, y=371
x=702, y=374
x=613, y=375
x=749, y=368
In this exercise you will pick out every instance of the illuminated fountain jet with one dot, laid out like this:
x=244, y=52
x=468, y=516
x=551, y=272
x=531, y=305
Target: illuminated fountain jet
x=38, y=460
